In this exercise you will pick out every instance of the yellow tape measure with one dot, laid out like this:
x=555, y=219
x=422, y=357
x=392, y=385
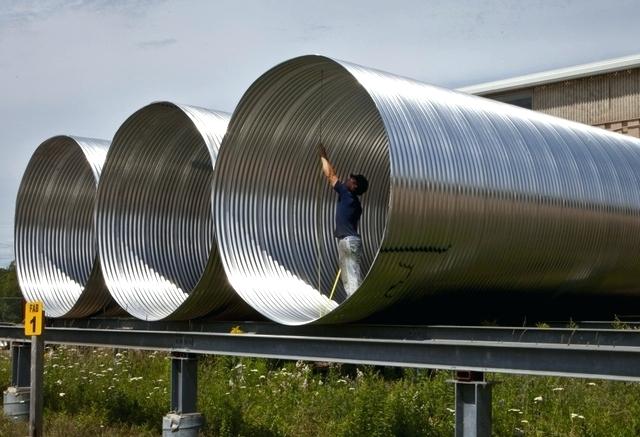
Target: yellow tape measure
x=33, y=318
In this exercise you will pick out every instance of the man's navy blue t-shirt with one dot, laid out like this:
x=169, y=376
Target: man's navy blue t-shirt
x=348, y=212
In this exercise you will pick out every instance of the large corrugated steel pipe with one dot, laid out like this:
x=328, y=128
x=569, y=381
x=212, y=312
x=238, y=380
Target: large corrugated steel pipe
x=466, y=195
x=55, y=242
x=154, y=222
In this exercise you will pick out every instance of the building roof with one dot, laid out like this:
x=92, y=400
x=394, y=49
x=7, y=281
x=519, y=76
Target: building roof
x=551, y=76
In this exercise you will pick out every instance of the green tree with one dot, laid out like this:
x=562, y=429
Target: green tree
x=10, y=296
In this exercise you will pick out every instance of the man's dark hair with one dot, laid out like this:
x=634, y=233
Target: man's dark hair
x=362, y=182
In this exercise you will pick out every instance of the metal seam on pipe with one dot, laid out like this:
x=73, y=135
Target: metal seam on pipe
x=466, y=194
x=55, y=245
x=154, y=224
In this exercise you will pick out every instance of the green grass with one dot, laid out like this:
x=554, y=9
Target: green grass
x=119, y=393
x=104, y=392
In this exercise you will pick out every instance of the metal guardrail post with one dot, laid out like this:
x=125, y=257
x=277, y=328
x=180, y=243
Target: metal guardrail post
x=16, y=396
x=37, y=382
x=473, y=404
x=20, y=364
x=183, y=420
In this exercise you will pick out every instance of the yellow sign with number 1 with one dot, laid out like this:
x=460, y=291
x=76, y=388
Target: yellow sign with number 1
x=33, y=318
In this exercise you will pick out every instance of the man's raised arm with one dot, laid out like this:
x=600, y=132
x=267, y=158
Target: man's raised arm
x=327, y=168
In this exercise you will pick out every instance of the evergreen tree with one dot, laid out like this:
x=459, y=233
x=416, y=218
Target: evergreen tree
x=10, y=296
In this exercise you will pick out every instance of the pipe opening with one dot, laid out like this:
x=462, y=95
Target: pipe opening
x=274, y=209
x=54, y=230
x=154, y=214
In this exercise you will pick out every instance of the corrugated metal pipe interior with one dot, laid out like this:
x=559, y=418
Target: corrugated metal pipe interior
x=155, y=229
x=55, y=244
x=274, y=207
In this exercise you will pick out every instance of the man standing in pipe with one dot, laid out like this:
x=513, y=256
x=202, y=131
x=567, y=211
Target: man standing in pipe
x=348, y=212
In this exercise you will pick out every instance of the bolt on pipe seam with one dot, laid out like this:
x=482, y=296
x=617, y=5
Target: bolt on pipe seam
x=55, y=243
x=466, y=194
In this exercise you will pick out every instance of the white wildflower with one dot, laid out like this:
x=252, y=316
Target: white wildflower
x=557, y=389
x=62, y=394
x=537, y=399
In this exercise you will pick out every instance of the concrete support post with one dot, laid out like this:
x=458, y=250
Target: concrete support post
x=16, y=396
x=473, y=404
x=183, y=420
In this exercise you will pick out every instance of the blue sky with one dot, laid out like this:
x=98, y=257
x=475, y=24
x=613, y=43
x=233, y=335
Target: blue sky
x=82, y=66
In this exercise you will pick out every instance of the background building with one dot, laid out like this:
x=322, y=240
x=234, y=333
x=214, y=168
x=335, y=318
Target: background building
x=604, y=94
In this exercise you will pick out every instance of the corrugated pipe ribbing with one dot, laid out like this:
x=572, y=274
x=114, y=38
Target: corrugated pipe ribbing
x=55, y=243
x=154, y=223
x=465, y=194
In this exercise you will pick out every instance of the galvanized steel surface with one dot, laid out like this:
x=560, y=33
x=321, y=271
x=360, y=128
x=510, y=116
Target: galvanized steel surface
x=55, y=244
x=154, y=224
x=466, y=194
